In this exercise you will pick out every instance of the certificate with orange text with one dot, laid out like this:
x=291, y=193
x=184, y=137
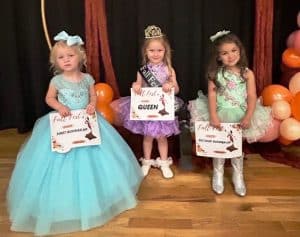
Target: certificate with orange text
x=225, y=142
x=78, y=129
x=152, y=104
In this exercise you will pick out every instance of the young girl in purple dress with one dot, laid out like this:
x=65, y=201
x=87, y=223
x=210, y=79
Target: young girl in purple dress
x=156, y=58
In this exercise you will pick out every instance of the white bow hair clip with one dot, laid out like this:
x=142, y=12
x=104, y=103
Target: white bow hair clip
x=70, y=39
x=218, y=35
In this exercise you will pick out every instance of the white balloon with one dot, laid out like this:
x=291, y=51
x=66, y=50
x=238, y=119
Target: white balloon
x=294, y=84
x=290, y=129
x=281, y=109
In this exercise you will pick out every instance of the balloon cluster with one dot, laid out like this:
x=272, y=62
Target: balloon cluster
x=285, y=104
x=284, y=99
x=104, y=96
x=291, y=56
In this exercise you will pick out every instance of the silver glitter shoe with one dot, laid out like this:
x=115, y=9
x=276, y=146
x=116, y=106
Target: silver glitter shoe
x=238, y=176
x=218, y=174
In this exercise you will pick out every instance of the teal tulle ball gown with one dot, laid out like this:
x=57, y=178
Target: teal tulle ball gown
x=52, y=192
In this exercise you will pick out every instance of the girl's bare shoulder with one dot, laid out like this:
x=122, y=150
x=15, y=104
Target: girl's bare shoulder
x=248, y=74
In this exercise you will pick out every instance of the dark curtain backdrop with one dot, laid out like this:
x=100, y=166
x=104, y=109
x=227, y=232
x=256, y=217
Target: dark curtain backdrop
x=188, y=25
x=25, y=74
x=25, y=70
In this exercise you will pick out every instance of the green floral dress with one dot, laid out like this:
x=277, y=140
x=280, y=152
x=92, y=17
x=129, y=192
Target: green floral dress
x=232, y=106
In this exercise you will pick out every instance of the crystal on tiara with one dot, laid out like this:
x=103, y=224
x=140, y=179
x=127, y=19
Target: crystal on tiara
x=218, y=35
x=153, y=32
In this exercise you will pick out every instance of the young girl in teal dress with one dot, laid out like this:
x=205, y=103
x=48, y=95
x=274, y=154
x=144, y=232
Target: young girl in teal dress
x=52, y=192
x=231, y=98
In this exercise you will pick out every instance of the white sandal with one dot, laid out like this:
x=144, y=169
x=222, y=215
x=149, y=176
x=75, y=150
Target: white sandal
x=164, y=166
x=146, y=165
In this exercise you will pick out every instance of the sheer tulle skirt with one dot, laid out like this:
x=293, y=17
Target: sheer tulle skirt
x=52, y=193
x=155, y=129
x=259, y=124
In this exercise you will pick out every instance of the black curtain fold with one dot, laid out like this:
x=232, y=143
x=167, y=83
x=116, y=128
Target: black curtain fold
x=25, y=72
x=188, y=25
x=22, y=86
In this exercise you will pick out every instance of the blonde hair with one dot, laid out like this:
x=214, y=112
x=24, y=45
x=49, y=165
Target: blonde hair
x=168, y=55
x=79, y=50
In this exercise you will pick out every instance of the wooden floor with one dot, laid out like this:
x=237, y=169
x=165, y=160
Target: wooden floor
x=185, y=206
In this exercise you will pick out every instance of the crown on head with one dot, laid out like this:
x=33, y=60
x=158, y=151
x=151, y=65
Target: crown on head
x=153, y=32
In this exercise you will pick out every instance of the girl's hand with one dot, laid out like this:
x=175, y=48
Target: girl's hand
x=167, y=87
x=137, y=87
x=90, y=109
x=245, y=123
x=215, y=122
x=64, y=111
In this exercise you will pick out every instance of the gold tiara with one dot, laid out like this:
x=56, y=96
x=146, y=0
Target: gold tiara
x=153, y=32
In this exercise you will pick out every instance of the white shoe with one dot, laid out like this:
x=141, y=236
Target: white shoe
x=238, y=176
x=164, y=166
x=218, y=174
x=146, y=165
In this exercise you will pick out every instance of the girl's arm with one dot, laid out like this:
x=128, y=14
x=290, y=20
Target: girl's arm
x=251, y=98
x=51, y=100
x=90, y=109
x=212, y=104
x=171, y=83
x=137, y=85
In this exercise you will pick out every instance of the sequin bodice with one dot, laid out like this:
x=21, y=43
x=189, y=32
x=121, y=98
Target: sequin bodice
x=231, y=90
x=75, y=95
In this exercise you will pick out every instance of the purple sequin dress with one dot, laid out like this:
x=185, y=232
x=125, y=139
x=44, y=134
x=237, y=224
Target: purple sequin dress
x=150, y=128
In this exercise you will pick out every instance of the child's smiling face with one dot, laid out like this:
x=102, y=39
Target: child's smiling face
x=155, y=52
x=229, y=54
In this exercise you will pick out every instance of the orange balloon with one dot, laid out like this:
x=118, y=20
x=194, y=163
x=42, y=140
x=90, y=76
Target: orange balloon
x=284, y=141
x=275, y=92
x=106, y=111
x=291, y=58
x=104, y=93
x=295, y=106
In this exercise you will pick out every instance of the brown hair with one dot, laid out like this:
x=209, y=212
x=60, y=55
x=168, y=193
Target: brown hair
x=215, y=64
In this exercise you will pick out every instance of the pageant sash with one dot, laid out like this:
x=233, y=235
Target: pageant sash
x=149, y=77
x=153, y=82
